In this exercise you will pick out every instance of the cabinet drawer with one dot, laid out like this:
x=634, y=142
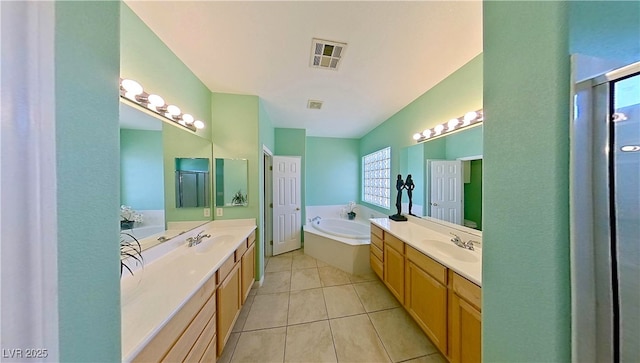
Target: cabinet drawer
x=376, y=252
x=225, y=268
x=467, y=290
x=394, y=242
x=252, y=238
x=210, y=354
x=165, y=339
x=190, y=336
x=241, y=250
x=377, y=231
x=377, y=241
x=204, y=340
x=433, y=268
x=376, y=265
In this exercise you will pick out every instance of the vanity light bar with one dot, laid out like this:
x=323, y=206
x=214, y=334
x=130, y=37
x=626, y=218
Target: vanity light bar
x=134, y=92
x=455, y=124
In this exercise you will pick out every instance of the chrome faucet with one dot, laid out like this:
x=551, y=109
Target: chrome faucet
x=193, y=241
x=316, y=218
x=460, y=243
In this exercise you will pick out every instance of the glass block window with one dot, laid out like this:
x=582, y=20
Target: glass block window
x=376, y=176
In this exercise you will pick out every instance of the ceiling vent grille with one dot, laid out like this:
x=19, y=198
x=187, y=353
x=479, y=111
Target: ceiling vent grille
x=314, y=104
x=326, y=54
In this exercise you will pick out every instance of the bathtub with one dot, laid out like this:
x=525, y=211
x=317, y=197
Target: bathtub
x=340, y=243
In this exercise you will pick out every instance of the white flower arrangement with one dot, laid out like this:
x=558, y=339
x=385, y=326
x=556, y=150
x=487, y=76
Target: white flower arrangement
x=128, y=214
x=351, y=207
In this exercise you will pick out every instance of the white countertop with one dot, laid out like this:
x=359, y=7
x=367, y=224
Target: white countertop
x=420, y=236
x=151, y=297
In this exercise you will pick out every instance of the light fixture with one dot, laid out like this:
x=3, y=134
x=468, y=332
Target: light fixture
x=134, y=92
x=469, y=119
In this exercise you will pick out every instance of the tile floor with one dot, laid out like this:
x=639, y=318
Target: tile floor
x=308, y=311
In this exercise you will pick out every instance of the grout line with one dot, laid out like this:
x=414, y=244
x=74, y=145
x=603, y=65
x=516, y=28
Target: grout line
x=379, y=338
x=333, y=339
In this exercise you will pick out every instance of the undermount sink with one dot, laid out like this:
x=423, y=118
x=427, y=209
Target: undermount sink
x=207, y=244
x=452, y=251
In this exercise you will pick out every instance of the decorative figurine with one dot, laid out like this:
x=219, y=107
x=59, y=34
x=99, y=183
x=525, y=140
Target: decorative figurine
x=409, y=186
x=399, y=186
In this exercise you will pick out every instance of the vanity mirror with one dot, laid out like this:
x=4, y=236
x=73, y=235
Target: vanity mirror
x=431, y=164
x=149, y=149
x=231, y=183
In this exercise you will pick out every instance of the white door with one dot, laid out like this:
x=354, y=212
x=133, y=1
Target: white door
x=446, y=190
x=287, y=226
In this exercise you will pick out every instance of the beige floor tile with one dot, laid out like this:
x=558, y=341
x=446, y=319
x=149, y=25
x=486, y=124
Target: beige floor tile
x=303, y=261
x=342, y=301
x=375, y=296
x=433, y=358
x=261, y=346
x=400, y=335
x=298, y=252
x=227, y=352
x=242, y=318
x=305, y=279
x=306, y=306
x=356, y=340
x=321, y=263
x=268, y=311
x=279, y=263
x=364, y=277
x=331, y=276
x=311, y=342
x=275, y=282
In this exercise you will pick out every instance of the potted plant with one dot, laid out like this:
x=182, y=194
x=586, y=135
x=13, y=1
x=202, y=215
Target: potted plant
x=239, y=198
x=128, y=217
x=129, y=248
x=351, y=214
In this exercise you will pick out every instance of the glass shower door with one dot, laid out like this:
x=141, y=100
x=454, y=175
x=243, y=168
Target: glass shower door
x=624, y=180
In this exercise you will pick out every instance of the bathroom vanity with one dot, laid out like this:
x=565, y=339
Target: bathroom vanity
x=437, y=282
x=182, y=306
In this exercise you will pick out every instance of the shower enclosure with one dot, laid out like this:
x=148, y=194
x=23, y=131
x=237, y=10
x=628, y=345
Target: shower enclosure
x=606, y=217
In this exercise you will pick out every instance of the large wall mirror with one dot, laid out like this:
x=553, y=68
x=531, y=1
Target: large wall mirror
x=231, y=183
x=431, y=162
x=149, y=152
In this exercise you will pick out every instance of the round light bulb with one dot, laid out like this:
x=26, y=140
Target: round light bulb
x=187, y=118
x=173, y=110
x=417, y=136
x=155, y=100
x=426, y=133
x=452, y=124
x=131, y=86
x=131, y=96
x=439, y=129
x=470, y=116
x=198, y=124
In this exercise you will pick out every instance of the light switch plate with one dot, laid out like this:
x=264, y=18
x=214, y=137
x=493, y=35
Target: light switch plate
x=207, y=212
x=219, y=212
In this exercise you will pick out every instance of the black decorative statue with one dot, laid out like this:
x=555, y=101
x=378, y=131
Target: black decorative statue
x=409, y=186
x=399, y=186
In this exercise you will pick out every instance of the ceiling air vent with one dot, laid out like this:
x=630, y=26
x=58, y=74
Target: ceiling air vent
x=314, y=104
x=326, y=54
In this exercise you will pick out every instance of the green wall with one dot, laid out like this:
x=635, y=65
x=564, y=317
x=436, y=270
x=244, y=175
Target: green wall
x=464, y=143
x=525, y=276
x=146, y=59
x=457, y=94
x=332, y=171
x=178, y=143
x=88, y=173
x=473, y=194
x=141, y=169
x=266, y=139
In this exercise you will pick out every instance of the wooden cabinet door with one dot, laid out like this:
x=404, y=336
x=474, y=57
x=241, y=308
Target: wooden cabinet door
x=248, y=271
x=228, y=306
x=394, y=272
x=465, y=331
x=426, y=301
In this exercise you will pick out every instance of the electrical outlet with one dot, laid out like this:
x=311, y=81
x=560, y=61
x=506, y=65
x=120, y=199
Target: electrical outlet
x=207, y=212
x=218, y=212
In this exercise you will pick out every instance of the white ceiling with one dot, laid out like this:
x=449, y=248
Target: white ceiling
x=395, y=52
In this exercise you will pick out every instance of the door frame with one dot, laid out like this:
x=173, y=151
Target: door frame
x=267, y=199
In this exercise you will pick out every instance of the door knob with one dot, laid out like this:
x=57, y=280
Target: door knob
x=434, y=204
x=297, y=208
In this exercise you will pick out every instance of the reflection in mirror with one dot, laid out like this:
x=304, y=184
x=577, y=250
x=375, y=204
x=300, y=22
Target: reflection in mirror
x=231, y=182
x=192, y=182
x=447, y=172
x=148, y=148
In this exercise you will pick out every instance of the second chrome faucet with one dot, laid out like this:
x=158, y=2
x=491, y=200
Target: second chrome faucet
x=460, y=243
x=193, y=241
